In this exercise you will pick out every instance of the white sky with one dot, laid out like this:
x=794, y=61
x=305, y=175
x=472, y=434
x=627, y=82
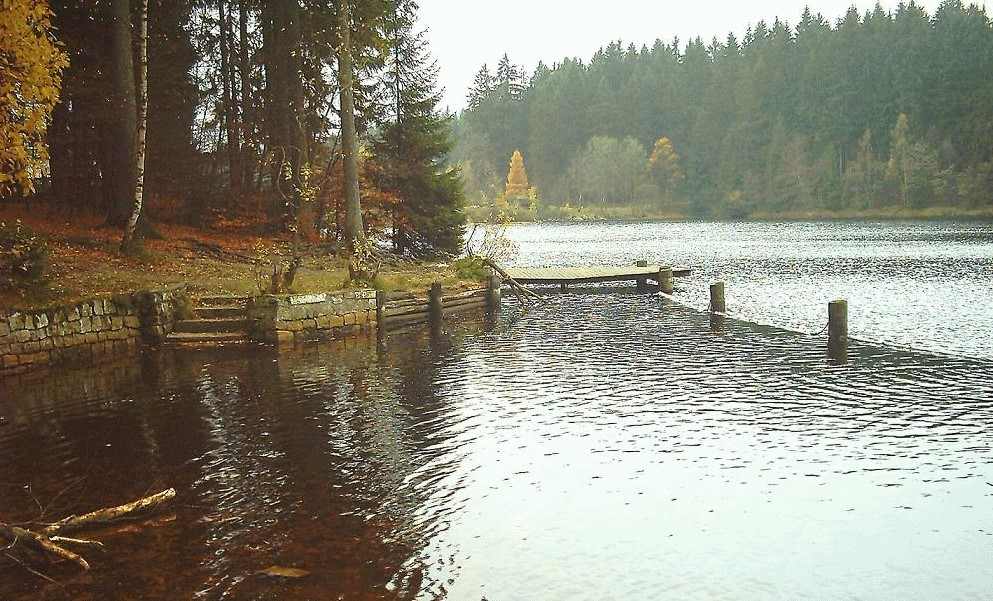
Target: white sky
x=464, y=34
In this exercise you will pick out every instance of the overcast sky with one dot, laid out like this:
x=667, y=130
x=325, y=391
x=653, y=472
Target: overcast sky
x=464, y=34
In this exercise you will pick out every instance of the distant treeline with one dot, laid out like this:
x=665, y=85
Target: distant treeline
x=882, y=109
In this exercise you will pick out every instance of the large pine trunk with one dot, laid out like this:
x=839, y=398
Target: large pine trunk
x=276, y=47
x=248, y=115
x=118, y=169
x=297, y=122
x=228, y=109
x=353, y=231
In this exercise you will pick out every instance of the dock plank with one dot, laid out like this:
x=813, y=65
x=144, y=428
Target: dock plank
x=591, y=274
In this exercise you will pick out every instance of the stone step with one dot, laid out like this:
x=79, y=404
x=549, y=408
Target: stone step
x=224, y=324
x=205, y=337
x=219, y=312
x=221, y=301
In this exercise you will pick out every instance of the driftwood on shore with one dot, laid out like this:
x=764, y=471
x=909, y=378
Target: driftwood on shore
x=26, y=546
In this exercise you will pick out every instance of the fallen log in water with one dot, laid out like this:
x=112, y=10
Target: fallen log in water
x=49, y=543
x=75, y=523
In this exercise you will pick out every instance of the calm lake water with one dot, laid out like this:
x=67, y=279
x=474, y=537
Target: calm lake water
x=607, y=445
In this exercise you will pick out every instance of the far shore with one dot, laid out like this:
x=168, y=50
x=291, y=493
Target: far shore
x=569, y=214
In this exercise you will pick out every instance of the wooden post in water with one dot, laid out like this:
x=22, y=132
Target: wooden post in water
x=642, y=281
x=665, y=280
x=717, y=304
x=838, y=330
x=380, y=303
x=717, y=322
x=494, y=294
x=434, y=304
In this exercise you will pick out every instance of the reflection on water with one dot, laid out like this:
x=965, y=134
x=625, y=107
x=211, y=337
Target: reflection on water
x=917, y=284
x=605, y=446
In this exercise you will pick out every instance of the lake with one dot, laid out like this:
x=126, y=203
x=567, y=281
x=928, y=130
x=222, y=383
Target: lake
x=922, y=285
x=606, y=445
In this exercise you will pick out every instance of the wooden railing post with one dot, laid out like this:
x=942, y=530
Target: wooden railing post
x=434, y=303
x=380, y=303
x=494, y=294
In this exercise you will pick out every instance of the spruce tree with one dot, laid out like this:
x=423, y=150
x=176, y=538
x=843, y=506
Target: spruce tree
x=414, y=143
x=482, y=85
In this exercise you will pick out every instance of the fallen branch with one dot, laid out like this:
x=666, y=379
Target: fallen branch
x=514, y=283
x=75, y=523
x=49, y=543
x=93, y=545
x=40, y=542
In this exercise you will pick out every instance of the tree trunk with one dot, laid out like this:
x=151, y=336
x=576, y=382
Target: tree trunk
x=139, y=160
x=267, y=102
x=354, y=233
x=227, y=104
x=275, y=47
x=59, y=157
x=122, y=116
x=248, y=152
x=297, y=133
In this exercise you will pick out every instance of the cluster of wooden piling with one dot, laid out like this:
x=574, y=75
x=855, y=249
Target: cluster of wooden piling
x=402, y=309
x=837, y=326
x=394, y=310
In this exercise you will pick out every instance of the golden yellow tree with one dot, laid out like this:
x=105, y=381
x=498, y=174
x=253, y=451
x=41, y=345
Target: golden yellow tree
x=31, y=65
x=664, y=165
x=517, y=177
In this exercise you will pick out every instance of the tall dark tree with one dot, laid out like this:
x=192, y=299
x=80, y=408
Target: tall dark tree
x=122, y=115
x=354, y=233
x=414, y=143
x=482, y=85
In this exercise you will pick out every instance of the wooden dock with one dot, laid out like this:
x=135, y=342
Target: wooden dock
x=587, y=275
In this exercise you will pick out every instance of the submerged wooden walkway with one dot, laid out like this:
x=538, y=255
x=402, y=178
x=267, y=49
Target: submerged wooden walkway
x=585, y=275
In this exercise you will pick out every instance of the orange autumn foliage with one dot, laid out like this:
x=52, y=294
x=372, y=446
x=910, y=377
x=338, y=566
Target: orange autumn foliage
x=31, y=65
x=517, y=177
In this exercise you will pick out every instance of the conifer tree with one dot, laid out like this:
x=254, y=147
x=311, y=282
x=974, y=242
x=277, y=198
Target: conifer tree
x=414, y=143
x=482, y=85
x=123, y=116
x=517, y=177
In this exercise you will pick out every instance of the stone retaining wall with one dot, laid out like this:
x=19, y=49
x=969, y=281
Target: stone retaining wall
x=289, y=318
x=159, y=310
x=86, y=331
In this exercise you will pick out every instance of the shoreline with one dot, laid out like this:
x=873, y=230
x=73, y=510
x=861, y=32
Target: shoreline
x=885, y=215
